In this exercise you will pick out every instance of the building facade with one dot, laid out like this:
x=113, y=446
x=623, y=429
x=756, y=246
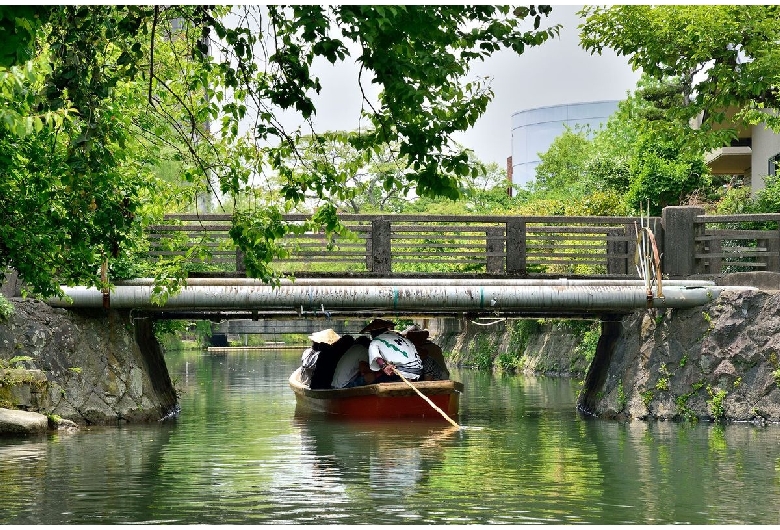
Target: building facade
x=534, y=130
x=754, y=155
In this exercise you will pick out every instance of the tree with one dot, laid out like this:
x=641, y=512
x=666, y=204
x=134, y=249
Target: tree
x=664, y=168
x=725, y=56
x=561, y=169
x=662, y=175
x=366, y=178
x=77, y=185
x=641, y=155
x=228, y=68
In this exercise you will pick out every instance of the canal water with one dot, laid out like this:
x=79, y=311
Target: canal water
x=239, y=454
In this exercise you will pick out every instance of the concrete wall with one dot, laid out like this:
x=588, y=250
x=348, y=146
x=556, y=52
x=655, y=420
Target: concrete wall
x=765, y=145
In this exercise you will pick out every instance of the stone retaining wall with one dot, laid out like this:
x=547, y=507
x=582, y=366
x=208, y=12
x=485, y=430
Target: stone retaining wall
x=719, y=361
x=97, y=367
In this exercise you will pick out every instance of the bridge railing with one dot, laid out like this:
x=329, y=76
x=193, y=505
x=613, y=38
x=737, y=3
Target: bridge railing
x=689, y=243
x=420, y=244
x=737, y=243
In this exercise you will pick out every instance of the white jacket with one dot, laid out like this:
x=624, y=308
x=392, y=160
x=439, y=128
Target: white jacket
x=398, y=350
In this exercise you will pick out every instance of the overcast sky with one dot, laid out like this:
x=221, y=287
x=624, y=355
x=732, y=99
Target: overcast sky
x=557, y=72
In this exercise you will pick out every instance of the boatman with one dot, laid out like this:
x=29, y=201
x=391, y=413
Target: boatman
x=389, y=350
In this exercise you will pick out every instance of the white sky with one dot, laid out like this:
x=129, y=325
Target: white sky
x=556, y=72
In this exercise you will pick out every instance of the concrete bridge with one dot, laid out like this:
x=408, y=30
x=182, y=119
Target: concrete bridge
x=443, y=266
x=437, y=266
x=458, y=265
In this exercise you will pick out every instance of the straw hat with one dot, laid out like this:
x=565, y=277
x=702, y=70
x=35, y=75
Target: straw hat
x=377, y=324
x=326, y=336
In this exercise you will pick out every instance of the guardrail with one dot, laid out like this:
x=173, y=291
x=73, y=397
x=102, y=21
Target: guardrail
x=422, y=244
x=688, y=243
x=737, y=243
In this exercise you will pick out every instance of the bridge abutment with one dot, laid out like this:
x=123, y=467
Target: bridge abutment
x=611, y=327
x=96, y=367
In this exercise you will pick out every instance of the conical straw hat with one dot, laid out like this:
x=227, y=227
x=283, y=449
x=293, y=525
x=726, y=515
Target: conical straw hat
x=326, y=336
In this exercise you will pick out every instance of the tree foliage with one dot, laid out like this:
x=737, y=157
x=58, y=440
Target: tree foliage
x=562, y=167
x=725, y=56
x=641, y=155
x=119, y=92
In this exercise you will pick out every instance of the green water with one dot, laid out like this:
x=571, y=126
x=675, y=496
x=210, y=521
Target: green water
x=238, y=454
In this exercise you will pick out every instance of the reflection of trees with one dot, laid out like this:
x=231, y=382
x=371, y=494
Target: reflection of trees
x=665, y=472
x=541, y=466
x=22, y=468
x=109, y=465
x=524, y=456
x=232, y=447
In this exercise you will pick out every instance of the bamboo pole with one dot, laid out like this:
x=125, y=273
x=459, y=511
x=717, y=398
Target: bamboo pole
x=426, y=398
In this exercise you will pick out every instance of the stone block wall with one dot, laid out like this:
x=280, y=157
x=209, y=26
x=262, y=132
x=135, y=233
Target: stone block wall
x=97, y=367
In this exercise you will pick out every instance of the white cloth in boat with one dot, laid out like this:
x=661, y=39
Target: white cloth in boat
x=397, y=350
x=348, y=365
x=309, y=358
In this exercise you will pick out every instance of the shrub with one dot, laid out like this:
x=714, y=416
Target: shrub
x=6, y=309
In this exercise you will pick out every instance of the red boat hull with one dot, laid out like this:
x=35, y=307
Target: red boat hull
x=380, y=401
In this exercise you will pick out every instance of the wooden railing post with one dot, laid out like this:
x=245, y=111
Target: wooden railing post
x=617, y=263
x=630, y=233
x=714, y=262
x=515, y=246
x=240, y=265
x=679, y=224
x=381, y=260
x=770, y=259
x=495, y=262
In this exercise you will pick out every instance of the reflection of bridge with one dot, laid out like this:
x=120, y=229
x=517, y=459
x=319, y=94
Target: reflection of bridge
x=449, y=265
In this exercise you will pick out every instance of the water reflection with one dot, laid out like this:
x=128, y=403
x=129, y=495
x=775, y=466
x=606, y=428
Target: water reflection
x=238, y=454
x=80, y=478
x=398, y=456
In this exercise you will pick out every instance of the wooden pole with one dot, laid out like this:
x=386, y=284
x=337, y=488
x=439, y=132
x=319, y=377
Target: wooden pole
x=426, y=398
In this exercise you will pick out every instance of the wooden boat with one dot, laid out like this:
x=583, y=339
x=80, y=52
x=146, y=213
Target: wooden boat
x=379, y=401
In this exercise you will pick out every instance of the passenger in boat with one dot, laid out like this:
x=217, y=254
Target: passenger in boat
x=389, y=349
x=434, y=366
x=352, y=369
x=326, y=350
x=308, y=363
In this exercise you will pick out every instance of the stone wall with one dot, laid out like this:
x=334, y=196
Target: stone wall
x=88, y=367
x=719, y=361
x=547, y=348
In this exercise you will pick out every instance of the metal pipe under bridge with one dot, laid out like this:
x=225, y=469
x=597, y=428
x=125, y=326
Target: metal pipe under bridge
x=234, y=298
